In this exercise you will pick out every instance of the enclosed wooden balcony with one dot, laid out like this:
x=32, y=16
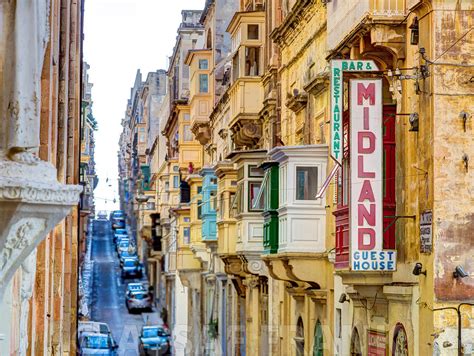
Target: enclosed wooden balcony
x=225, y=222
x=246, y=100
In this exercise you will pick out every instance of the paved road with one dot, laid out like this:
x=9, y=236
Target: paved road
x=108, y=297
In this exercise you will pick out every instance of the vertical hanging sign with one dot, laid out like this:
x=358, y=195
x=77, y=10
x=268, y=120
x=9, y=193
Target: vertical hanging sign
x=366, y=193
x=338, y=67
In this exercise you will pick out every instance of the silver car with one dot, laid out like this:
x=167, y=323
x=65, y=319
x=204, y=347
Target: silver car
x=138, y=300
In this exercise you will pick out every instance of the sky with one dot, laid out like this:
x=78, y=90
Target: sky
x=120, y=37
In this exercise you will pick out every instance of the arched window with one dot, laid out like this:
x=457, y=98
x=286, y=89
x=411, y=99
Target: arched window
x=356, y=349
x=318, y=340
x=299, y=338
x=400, y=341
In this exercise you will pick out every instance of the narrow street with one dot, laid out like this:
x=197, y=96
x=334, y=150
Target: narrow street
x=108, y=297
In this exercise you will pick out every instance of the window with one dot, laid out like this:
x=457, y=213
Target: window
x=235, y=67
x=203, y=83
x=236, y=207
x=252, y=32
x=187, y=219
x=186, y=235
x=187, y=134
x=199, y=189
x=338, y=323
x=264, y=189
x=306, y=183
x=221, y=204
x=175, y=169
x=254, y=189
x=203, y=64
x=199, y=209
x=299, y=338
x=186, y=117
x=318, y=342
x=167, y=186
x=175, y=182
x=213, y=200
x=252, y=61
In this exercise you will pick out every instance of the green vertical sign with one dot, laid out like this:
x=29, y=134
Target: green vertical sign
x=338, y=67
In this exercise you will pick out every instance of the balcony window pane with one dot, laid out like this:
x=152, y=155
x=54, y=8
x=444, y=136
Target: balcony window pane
x=306, y=183
x=203, y=64
x=235, y=67
x=199, y=209
x=252, y=61
x=175, y=182
x=187, y=134
x=252, y=32
x=203, y=83
x=186, y=235
x=254, y=189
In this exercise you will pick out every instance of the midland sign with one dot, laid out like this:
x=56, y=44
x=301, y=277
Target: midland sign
x=366, y=182
x=338, y=66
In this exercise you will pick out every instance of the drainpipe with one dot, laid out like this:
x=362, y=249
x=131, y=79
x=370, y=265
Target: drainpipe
x=458, y=312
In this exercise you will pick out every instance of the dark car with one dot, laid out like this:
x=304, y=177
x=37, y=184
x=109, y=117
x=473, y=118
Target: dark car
x=138, y=300
x=154, y=338
x=131, y=267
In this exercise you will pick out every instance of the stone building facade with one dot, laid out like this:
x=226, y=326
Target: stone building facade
x=40, y=108
x=281, y=237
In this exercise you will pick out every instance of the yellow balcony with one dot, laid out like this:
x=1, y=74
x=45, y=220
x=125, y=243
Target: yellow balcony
x=345, y=17
x=246, y=101
x=226, y=224
x=186, y=259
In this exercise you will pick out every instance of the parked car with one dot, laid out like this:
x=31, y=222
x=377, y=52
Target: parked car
x=97, y=344
x=126, y=254
x=136, y=287
x=138, y=300
x=120, y=234
x=86, y=327
x=102, y=215
x=117, y=218
x=131, y=267
x=123, y=244
x=154, y=338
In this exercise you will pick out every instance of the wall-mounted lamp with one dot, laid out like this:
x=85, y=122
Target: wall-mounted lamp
x=464, y=116
x=459, y=272
x=465, y=159
x=343, y=298
x=418, y=269
x=415, y=33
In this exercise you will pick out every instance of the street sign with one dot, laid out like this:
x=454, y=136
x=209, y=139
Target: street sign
x=338, y=67
x=426, y=232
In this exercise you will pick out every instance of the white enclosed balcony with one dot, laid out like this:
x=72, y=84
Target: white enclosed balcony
x=301, y=217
